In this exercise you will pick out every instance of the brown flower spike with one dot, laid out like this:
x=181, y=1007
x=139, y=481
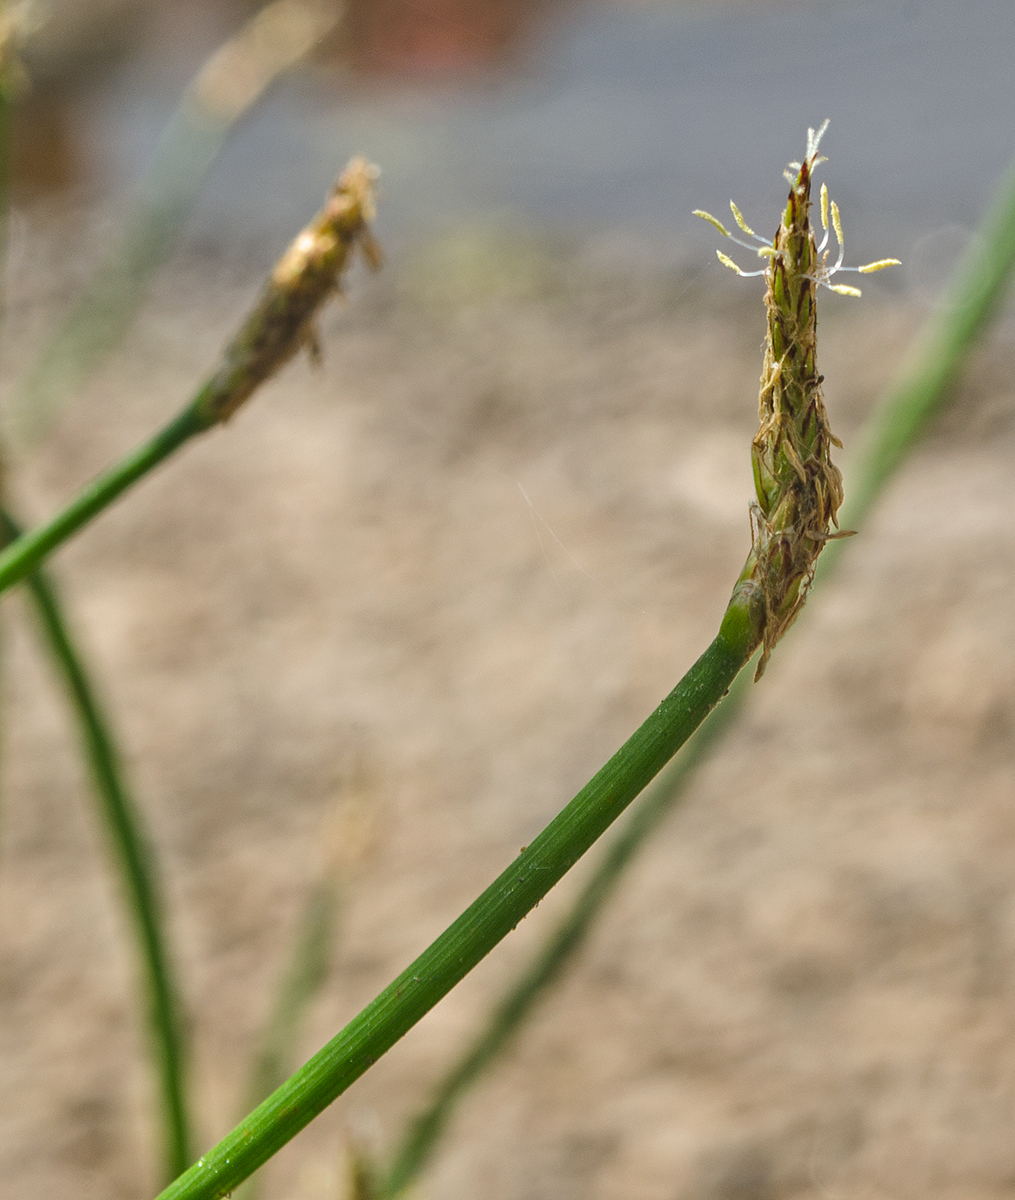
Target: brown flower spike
x=799, y=488
x=310, y=271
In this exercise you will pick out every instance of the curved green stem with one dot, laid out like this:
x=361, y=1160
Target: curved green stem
x=424, y=1133
x=165, y=1026
x=25, y=553
x=917, y=393
x=483, y=924
x=276, y=328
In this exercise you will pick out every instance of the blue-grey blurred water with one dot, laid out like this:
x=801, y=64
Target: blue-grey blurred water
x=627, y=118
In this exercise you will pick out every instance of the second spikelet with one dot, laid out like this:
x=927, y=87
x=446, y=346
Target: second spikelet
x=282, y=321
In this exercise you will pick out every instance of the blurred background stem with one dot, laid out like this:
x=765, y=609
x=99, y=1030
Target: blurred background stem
x=276, y=328
x=227, y=86
x=162, y=1013
x=303, y=978
x=345, y=840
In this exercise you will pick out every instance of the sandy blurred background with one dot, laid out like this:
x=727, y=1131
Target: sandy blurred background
x=437, y=582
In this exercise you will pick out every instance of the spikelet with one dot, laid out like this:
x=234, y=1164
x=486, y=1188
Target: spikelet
x=282, y=321
x=799, y=488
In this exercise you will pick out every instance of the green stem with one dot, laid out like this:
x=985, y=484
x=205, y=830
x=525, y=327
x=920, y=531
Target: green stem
x=425, y=1132
x=919, y=390
x=275, y=329
x=27, y=551
x=485, y=923
x=124, y=824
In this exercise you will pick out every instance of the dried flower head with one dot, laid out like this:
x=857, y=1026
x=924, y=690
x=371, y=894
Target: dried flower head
x=310, y=271
x=799, y=488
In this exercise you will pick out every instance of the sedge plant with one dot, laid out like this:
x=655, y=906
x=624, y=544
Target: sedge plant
x=794, y=517
x=281, y=324
x=798, y=493
x=131, y=848
x=920, y=389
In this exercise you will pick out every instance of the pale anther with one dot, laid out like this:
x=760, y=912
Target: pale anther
x=837, y=223
x=739, y=218
x=698, y=212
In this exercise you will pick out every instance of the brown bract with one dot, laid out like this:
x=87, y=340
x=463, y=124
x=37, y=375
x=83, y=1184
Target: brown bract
x=282, y=321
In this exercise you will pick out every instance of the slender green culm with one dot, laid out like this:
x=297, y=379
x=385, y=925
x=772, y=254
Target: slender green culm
x=485, y=923
x=424, y=1133
x=920, y=389
x=280, y=324
x=123, y=822
x=162, y=1014
x=225, y=88
x=745, y=627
